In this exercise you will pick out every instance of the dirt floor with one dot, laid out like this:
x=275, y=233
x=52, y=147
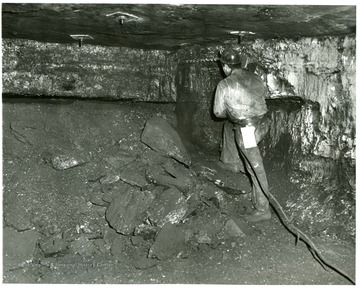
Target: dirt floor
x=61, y=163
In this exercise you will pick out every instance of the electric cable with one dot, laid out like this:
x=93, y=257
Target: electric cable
x=299, y=234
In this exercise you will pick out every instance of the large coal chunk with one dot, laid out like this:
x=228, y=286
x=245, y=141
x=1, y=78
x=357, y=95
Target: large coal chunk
x=162, y=137
x=170, y=206
x=126, y=210
x=171, y=174
x=134, y=174
x=204, y=226
x=169, y=242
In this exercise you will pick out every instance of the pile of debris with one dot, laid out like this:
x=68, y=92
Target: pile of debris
x=144, y=201
x=168, y=209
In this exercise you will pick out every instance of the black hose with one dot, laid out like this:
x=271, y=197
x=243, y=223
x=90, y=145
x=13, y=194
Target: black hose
x=300, y=235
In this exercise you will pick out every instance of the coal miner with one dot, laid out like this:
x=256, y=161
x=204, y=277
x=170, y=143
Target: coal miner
x=240, y=97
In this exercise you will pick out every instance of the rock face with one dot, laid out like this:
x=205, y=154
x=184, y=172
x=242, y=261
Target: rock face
x=323, y=181
x=44, y=69
x=162, y=137
x=312, y=107
x=320, y=71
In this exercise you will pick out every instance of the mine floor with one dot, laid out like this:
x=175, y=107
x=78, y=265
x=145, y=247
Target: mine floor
x=55, y=230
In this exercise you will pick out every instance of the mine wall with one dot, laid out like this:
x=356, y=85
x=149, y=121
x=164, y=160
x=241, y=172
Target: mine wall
x=312, y=107
x=312, y=104
x=66, y=71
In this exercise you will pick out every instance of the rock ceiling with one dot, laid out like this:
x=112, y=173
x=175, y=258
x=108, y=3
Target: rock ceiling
x=166, y=26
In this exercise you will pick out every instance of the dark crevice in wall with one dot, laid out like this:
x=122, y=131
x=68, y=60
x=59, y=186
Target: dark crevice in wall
x=17, y=98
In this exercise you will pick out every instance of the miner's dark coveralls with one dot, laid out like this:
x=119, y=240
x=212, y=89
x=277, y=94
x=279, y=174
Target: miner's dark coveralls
x=240, y=98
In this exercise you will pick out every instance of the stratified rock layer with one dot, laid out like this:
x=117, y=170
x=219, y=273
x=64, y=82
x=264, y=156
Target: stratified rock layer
x=57, y=70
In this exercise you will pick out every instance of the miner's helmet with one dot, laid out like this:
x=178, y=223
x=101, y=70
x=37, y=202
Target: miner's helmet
x=230, y=56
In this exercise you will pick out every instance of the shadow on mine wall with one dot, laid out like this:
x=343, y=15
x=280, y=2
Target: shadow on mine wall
x=196, y=122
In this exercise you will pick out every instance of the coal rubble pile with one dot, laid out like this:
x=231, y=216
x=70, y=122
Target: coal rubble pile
x=168, y=209
x=115, y=190
x=143, y=201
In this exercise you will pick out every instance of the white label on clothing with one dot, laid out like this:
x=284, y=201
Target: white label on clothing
x=248, y=135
